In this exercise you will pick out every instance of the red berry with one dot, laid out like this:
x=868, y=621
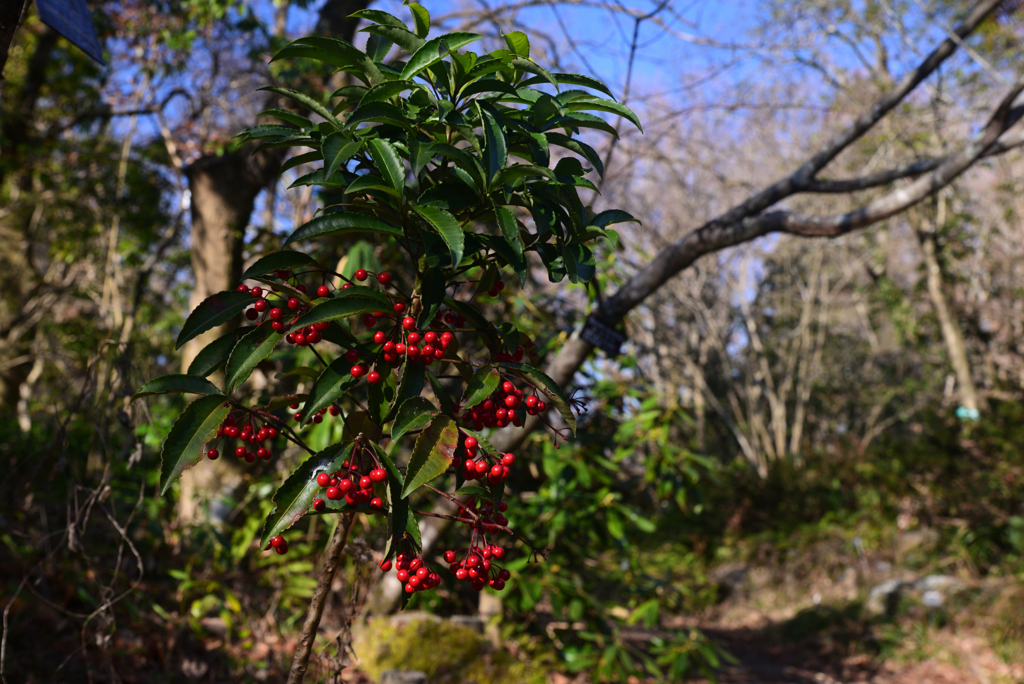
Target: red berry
x=377, y=504
x=352, y=355
x=256, y=291
x=333, y=493
x=449, y=556
x=212, y=454
x=384, y=279
x=508, y=387
x=399, y=307
x=413, y=338
x=242, y=288
x=400, y=349
x=260, y=305
x=379, y=337
x=497, y=584
x=323, y=479
x=345, y=485
x=357, y=371
x=365, y=482
x=504, y=574
x=294, y=303
x=385, y=565
x=301, y=340
x=409, y=323
x=334, y=410
x=282, y=549
x=461, y=574
x=277, y=541
x=511, y=401
x=471, y=442
x=500, y=284
x=378, y=474
x=252, y=314
x=508, y=459
x=373, y=377
x=314, y=336
x=319, y=505
x=402, y=575
x=369, y=320
x=532, y=401
x=361, y=275
x=323, y=291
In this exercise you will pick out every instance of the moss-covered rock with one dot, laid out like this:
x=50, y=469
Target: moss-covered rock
x=445, y=651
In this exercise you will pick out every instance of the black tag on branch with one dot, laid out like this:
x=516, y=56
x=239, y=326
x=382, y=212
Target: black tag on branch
x=71, y=19
x=603, y=336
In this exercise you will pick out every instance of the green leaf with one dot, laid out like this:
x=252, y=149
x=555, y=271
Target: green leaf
x=448, y=227
x=337, y=149
x=548, y=386
x=369, y=183
x=579, y=263
x=532, y=67
x=496, y=145
x=509, y=228
x=386, y=91
x=347, y=302
x=607, y=218
x=518, y=43
x=474, y=490
x=290, y=117
x=176, y=383
x=300, y=159
x=342, y=222
x=307, y=101
x=413, y=415
x=580, y=148
x=333, y=382
x=381, y=112
x=250, y=350
x=196, y=426
x=410, y=386
x=602, y=105
x=340, y=54
x=379, y=17
x=385, y=156
x=432, y=293
x=433, y=51
x=420, y=153
x=421, y=16
x=213, y=311
x=481, y=385
x=511, y=173
x=380, y=396
x=278, y=261
x=432, y=454
x=402, y=37
x=447, y=407
x=215, y=354
x=573, y=79
x=293, y=498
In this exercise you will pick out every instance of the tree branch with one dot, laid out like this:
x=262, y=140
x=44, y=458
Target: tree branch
x=300, y=663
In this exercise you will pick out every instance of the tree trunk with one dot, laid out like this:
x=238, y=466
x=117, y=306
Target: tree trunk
x=926, y=233
x=12, y=13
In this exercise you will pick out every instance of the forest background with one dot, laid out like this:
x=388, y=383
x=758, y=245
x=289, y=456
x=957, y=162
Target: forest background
x=805, y=463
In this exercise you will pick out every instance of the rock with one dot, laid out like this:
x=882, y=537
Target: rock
x=885, y=596
x=473, y=622
x=943, y=584
x=403, y=677
x=923, y=538
x=412, y=616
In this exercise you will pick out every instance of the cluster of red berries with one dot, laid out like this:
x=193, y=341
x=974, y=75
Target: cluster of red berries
x=352, y=484
x=477, y=566
x=494, y=467
x=249, y=434
x=413, y=572
x=279, y=544
x=318, y=417
x=505, y=405
x=498, y=286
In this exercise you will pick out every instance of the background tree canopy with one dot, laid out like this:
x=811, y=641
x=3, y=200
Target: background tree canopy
x=805, y=462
